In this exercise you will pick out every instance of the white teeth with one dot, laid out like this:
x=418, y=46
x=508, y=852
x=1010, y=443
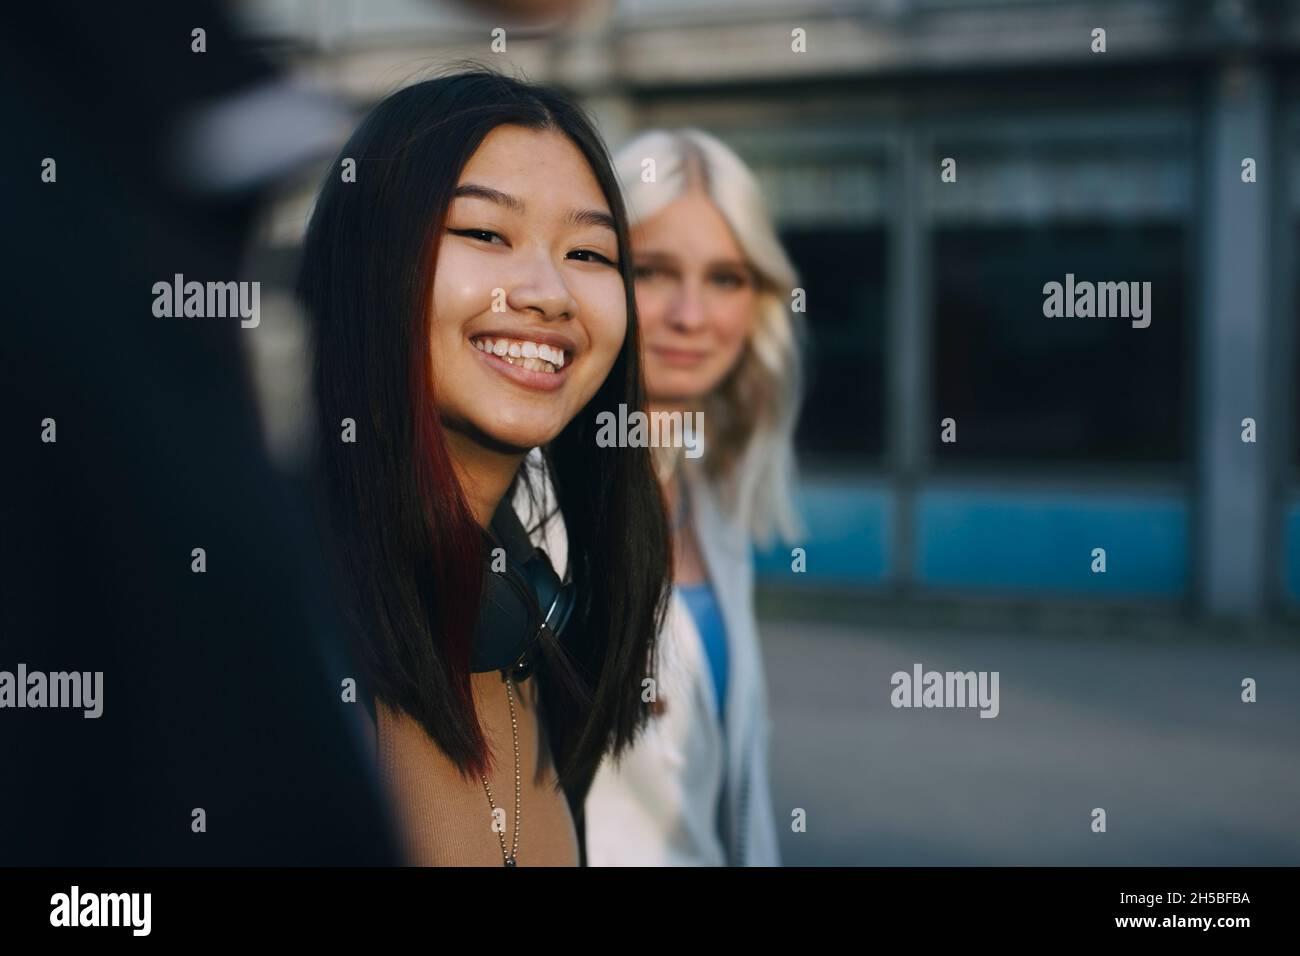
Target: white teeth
x=530, y=355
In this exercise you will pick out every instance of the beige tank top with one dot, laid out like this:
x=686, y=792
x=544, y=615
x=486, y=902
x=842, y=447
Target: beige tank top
x=444, y=819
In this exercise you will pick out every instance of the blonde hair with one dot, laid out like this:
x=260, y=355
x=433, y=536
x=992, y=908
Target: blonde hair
x=750, y=417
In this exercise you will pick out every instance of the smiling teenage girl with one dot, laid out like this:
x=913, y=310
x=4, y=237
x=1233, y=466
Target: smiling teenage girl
x=472, y=297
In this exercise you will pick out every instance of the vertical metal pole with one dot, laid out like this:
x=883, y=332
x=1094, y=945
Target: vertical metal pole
x=1234, y=364
x=908, y=345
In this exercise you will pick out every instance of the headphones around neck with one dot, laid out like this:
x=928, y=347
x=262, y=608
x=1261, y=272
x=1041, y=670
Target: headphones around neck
x=521, y=603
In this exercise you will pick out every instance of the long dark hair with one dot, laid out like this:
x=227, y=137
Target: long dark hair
x=406, y=540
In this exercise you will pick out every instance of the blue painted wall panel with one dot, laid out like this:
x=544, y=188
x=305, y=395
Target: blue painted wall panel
x=1042, y=542
x=849, y=533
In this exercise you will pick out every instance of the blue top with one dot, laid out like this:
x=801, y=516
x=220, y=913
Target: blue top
x=703, y=604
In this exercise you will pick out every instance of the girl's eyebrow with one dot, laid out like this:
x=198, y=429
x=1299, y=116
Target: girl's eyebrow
x=475, y=191
x=659, y=255
x=576, y=217
x=591, y=217
x=670, y=258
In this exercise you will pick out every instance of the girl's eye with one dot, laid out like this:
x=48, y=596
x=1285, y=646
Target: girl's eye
x=646, y=272
x=728, y=280
x=480, y=234
x=594, y=256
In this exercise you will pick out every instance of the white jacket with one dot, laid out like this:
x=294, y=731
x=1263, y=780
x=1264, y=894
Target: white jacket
x=680, y=796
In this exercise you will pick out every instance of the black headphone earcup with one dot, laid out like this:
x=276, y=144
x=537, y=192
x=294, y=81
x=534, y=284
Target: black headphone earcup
x=516, y=601
x=507, y=621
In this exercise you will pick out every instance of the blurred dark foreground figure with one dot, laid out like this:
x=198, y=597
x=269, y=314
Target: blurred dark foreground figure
x=221, y=690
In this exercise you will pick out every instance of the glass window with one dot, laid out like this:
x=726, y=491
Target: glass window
x=842, y=270
x=1026, y=387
